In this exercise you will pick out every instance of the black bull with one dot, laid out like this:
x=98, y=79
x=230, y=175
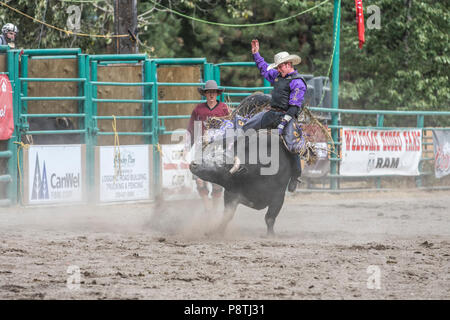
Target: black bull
x=257, y=184
x=52, y=123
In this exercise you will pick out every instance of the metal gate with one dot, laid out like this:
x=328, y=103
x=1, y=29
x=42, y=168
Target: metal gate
x=88, y=97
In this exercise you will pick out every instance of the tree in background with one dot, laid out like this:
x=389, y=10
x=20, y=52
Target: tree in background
x=96, y=17
x=404, y=65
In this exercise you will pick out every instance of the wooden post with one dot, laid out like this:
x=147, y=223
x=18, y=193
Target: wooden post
x=125, y=21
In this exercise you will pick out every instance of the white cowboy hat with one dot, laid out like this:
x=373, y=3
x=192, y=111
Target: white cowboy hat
x=284, y=57
x=210, y=85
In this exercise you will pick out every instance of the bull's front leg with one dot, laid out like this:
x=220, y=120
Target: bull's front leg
x=231, y=201
x=273, y=211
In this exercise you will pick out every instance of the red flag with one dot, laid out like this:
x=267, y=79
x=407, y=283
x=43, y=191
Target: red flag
x=360, y=22
x=6, y=108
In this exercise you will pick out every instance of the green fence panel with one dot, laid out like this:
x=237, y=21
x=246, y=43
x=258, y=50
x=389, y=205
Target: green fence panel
x=153, y=123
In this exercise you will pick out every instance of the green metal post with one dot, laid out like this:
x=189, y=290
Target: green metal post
x=420, y=121
x=86, y=108
x=380, y=120
x=380, y=123
x=216, y=74
x=88, y=102
x=266, y=83
x=155, y=131
x=23, y=105
x=335, y=85
x=216, y=77
x=146, y=107
x=81, y=60
x=207, y=73
x=91, y=111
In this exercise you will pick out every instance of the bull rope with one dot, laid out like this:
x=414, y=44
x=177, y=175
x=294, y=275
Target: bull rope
x=315, y=121
x=117, y=172
x=21, y=146
x=159, y=149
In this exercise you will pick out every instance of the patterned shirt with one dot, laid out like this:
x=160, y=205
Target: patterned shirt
x=202, y=113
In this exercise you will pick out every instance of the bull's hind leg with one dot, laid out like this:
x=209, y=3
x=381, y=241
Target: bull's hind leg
x=231, y=202
x=273, y=211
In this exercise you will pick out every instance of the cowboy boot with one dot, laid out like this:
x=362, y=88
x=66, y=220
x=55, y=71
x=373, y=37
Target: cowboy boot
x=296, y=174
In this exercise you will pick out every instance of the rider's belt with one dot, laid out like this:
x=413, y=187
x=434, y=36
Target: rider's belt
x=276, y=109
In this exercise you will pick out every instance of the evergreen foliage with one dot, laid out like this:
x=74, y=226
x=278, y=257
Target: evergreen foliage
x=404, y=65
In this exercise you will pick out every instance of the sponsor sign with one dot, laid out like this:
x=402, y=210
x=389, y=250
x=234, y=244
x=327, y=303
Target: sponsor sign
x=127, y=179
x=367, y=152
x=6, y=108
x=441, y=142
x=177, y=180
x=54, y=174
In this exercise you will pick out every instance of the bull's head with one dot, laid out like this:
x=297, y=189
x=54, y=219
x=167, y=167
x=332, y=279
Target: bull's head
x=216, y=164
x=229, y=162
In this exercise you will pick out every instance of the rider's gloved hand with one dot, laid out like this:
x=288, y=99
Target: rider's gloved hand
x=284, y=121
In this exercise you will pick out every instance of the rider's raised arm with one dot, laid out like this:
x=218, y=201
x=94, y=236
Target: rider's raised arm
x=262, y=66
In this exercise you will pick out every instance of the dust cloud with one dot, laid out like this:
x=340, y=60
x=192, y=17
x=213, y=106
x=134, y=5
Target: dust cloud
x=327, y=246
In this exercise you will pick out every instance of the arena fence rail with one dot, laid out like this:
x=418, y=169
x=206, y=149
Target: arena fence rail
x=86, y=94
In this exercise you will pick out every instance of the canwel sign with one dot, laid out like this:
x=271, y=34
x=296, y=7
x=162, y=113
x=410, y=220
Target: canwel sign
x=54, y=174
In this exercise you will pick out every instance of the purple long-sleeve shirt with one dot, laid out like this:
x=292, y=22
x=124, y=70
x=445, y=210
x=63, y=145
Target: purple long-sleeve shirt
x=298, y=88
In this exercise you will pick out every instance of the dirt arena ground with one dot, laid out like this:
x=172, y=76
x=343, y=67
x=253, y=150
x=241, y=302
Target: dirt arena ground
x=386, y=245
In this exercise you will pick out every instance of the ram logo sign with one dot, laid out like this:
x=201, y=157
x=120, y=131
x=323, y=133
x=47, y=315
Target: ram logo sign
x=369, y=152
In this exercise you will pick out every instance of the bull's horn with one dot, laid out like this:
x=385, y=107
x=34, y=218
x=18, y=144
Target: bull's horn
x=64, y=120
x=236, y=165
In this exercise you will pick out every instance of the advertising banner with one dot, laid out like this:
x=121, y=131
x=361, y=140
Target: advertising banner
x=53, y=174
x=125, y=180
x=6, y=108
x=177, y=181
x=441, y=142
x=367, y=152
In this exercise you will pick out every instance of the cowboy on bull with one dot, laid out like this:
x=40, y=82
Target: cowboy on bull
x=287, y=98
